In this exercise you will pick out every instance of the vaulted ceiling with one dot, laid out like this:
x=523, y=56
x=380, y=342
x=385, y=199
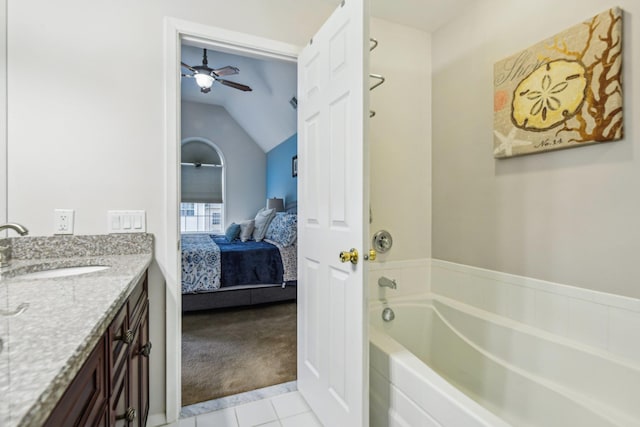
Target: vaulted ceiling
x=264, y=113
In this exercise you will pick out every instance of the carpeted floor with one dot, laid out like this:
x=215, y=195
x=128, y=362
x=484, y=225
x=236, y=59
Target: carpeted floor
x=231, y=351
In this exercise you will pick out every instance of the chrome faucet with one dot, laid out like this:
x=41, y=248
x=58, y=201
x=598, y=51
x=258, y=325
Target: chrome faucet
x=20, y=229
x=5, y=251
x=385, y=282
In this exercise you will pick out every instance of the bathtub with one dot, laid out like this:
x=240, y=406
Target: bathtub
x=443, y=363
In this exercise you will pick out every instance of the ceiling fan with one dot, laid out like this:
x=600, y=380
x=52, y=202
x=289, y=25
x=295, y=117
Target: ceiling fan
x=205, y=76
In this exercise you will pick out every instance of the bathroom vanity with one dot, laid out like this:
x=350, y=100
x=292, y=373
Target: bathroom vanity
x=77, y=351
x=112, y=387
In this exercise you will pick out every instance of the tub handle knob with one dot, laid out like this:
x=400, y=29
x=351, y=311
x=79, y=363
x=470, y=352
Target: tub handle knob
x=351, y=256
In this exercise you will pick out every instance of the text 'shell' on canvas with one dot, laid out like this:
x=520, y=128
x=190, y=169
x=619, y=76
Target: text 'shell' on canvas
x=563, y=92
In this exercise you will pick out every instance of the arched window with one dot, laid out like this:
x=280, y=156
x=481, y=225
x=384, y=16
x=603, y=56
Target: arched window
x=202, y=187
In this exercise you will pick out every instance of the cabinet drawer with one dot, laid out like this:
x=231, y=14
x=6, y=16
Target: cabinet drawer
x=136, y=303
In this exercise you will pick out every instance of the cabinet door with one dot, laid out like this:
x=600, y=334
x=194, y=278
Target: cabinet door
x=104, y=418
x=134, y=379
x=139, y=371
x=84, y=400
x=119, y=399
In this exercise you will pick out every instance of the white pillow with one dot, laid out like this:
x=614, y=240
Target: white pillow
x=246, y=229
x=262, y=221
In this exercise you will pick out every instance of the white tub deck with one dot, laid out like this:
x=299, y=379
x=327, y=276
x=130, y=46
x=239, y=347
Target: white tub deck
x=443, y=363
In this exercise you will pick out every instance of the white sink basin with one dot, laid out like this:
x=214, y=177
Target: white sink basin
x=64, y=271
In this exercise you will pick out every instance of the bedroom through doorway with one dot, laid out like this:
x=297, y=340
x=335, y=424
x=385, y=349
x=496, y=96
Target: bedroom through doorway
x=238, y=225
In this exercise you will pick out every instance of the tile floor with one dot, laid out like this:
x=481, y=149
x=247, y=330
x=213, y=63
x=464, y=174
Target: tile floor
x=283, y=410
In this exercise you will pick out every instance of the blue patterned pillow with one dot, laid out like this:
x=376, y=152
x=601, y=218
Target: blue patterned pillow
x=233, y=232
x=283, y=229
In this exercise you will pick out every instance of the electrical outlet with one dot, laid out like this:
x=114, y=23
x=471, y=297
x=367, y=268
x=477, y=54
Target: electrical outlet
x=63, y=221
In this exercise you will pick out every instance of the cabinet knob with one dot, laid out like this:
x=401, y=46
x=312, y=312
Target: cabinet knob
x=129, y=415
x=126, y=338
x=146, y=349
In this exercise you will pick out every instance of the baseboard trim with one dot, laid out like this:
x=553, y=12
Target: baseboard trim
x=160, y=419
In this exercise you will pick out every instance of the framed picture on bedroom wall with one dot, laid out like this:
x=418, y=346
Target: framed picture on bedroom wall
x=294, y=166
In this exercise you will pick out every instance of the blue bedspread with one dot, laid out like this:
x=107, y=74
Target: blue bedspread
x=248, y=263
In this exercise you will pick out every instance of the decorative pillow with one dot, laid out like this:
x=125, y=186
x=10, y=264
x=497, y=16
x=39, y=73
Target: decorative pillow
x=246, y=229
x=233, y=231
x=262, y=221
x=283, y=229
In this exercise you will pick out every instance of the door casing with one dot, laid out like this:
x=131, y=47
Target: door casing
x=176, y=32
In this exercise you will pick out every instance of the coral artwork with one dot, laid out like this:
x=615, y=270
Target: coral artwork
x=563, y=92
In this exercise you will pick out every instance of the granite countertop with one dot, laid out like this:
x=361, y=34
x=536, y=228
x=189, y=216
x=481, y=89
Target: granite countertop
x=46, y=345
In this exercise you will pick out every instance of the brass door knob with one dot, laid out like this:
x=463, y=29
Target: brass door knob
x=371, y=256
x=351, y=256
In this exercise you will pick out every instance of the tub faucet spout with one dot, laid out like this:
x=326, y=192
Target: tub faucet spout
x=385, y=282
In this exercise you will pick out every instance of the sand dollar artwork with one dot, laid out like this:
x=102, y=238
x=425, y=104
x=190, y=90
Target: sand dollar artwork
x=549, y=95
x=563, y=92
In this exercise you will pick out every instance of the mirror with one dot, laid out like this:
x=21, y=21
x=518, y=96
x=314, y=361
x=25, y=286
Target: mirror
x=3, y=113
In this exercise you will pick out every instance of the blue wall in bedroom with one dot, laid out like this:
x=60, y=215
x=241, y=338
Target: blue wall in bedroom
x=280, y=183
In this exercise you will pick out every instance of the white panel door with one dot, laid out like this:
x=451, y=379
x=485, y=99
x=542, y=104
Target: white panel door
x=332, y=194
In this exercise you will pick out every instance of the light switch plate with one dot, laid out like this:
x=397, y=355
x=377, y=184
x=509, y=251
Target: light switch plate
x=126, y=222
x=63, y=221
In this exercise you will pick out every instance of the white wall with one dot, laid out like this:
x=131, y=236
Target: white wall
x=567, y=216
x=86, y=114
x=86, y=118
x=3, y=113
x=401, y=139
x=246, y=163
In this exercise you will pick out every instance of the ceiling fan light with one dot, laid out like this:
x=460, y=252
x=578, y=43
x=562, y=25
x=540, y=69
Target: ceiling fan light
x=205, y=81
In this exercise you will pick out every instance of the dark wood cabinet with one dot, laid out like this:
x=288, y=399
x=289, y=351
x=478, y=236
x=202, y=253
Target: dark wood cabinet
x=112, y=387
x=139, y=370
x=83, y=403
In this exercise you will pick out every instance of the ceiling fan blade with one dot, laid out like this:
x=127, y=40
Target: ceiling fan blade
x=235, y=85
x=186, y=75
x=189, y=67
x=226, y=71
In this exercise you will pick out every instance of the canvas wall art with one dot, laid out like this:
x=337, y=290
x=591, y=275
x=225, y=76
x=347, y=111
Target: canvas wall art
x=562, y=92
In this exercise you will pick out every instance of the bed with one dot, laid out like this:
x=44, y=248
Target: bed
x=217, y=272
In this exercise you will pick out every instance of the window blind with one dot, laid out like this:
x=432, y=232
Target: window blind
x=201, y=184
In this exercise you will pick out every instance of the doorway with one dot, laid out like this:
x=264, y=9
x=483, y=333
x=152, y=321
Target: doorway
x=340, y=46
x=179, y=32
x=239, y=279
